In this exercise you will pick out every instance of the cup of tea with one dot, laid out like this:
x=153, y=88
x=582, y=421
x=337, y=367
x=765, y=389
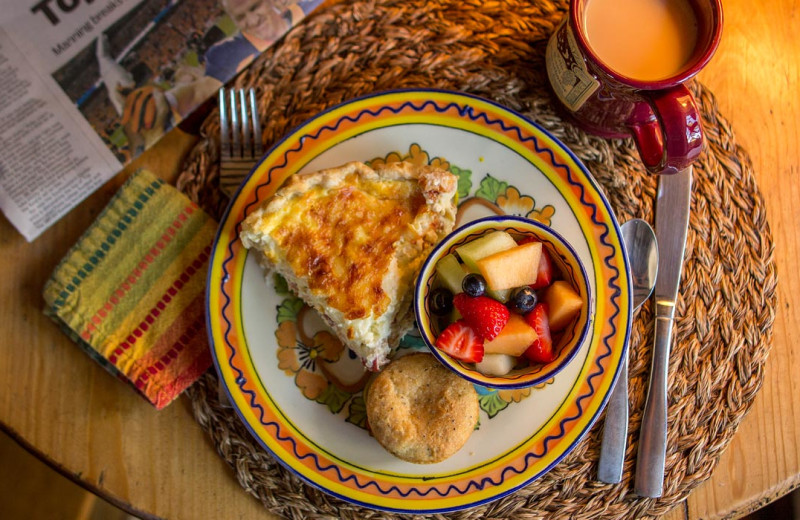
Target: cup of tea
x=619, y=68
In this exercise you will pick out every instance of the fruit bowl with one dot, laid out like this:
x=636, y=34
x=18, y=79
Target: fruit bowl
x=528, y=368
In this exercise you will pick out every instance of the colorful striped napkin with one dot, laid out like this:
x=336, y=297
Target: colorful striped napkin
x=131, y=292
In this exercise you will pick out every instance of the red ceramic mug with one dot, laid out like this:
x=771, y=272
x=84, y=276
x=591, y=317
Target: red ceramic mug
x=608, y=96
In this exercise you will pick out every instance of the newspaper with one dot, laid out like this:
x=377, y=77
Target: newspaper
x=87, y=85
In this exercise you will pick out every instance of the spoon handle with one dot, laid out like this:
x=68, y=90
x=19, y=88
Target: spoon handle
x=653, y=435
x=615, y=430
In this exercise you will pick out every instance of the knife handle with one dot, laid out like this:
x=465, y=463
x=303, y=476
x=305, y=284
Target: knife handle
x=615, y=431
x=653, y=434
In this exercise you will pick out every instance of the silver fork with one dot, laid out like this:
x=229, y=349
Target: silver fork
x=240, y=137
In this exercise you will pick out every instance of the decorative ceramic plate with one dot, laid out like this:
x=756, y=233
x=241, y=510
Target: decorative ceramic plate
x=299, y=391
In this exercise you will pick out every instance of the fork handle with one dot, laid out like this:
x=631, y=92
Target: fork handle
x=615, y=431
x=653, y=435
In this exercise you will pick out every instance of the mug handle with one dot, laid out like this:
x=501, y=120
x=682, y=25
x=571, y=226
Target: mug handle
x=667, y=130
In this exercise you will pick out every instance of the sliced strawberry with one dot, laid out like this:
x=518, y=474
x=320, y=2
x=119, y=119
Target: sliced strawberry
x=460, y=341
x=541, y=350
x=547, y=271
x=485, y=315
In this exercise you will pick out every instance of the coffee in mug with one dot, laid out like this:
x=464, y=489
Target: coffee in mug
x=618, y=67
x=647, y=40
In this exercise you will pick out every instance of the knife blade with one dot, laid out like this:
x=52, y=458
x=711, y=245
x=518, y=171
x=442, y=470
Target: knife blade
x=672, y=221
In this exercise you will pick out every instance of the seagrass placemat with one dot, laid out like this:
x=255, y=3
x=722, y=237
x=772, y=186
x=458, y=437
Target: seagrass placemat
x=496, y=50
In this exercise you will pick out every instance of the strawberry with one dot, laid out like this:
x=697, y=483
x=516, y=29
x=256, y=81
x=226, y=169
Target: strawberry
x=546, y=272
x=541, y=350
x=485, y=315
x=458, y=340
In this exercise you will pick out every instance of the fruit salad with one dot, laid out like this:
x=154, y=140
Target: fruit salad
x=501, y=301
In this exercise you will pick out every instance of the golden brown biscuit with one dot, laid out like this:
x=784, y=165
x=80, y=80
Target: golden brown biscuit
x=419, y=410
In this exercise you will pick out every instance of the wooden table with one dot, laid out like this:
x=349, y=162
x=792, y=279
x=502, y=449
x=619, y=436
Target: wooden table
x=65, y=408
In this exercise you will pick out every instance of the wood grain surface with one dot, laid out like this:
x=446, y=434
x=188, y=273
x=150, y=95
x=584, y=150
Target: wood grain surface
x=755, y=76
x=62, y=406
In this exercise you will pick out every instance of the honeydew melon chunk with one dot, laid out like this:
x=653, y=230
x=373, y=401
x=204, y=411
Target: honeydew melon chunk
x=484, y=246
x=450, y=272
x=501, y=296
x=495, y=364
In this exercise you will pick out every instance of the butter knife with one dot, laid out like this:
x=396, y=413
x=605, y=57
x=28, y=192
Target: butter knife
x=672, y=221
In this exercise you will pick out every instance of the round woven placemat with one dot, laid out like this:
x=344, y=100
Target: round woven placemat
x=496, y=50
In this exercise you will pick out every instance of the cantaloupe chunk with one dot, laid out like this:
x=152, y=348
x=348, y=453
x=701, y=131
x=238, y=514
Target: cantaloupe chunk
x=563, y=303
x=513, y=340
x=501, y=296
x=513, y=267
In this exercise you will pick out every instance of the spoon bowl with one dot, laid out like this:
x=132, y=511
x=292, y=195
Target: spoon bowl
x=642, y=249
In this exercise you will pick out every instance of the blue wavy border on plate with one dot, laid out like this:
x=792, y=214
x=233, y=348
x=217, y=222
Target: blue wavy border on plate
x=479, y=484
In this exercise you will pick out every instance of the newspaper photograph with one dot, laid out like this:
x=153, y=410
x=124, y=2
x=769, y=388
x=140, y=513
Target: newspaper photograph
x=88, y=85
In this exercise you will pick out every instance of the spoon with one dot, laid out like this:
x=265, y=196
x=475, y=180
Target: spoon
x=642, y=248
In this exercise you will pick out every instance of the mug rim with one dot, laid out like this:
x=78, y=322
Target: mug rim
x=697, y=64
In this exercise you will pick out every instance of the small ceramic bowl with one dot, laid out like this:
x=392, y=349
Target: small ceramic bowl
x=566, y=343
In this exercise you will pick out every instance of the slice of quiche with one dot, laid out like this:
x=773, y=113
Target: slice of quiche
x=350, y=242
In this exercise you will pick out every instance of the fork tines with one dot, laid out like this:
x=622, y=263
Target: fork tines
x=240, y=137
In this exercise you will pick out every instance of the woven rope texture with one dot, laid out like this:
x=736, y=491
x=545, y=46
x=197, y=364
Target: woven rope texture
x=496, y=50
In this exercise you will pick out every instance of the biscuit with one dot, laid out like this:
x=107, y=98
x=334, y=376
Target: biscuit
x=420, y=411
x=350, y=242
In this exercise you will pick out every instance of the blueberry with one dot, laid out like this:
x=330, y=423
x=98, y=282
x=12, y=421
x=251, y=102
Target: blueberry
x=523, y=299
x=441, y=301
x=474, y=284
